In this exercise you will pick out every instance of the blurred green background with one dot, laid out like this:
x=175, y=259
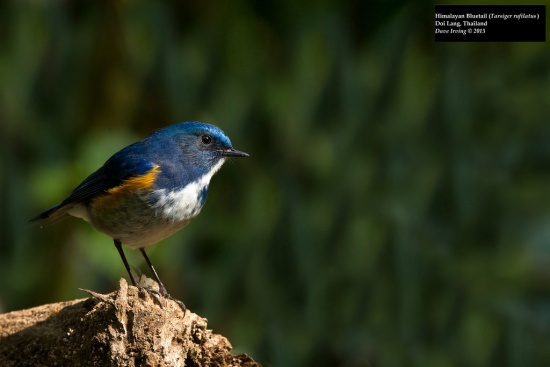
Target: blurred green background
x=395, y=210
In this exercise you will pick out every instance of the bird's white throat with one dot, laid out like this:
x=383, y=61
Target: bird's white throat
x=184, y=204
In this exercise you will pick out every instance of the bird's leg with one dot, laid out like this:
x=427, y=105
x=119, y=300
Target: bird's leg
x=162, y=288
x=118, y=246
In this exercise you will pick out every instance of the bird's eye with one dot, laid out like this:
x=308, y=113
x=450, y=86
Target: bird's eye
x=206, y=139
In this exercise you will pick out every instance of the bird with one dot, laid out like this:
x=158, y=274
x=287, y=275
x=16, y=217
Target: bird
x=149, y=190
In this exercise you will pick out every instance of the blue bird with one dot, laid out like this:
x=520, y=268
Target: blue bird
x=150, y=189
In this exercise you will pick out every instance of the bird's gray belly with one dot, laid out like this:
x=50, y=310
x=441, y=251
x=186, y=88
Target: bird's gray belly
x=136, y=220
x=141, y=232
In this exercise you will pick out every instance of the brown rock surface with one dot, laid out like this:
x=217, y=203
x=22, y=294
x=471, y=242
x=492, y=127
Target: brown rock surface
x=123, y=328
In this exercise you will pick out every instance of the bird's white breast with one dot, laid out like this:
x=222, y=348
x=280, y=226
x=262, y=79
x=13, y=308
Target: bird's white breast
x=183, y=204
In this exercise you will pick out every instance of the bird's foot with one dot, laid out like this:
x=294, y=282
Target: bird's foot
x=153, y=293
x=160, y=292
x=180, y=303
x=166, y=295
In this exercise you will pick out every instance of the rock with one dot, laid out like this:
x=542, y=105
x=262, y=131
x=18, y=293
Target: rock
x=123, y=328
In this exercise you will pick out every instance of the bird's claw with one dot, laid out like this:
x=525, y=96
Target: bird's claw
x=155, y=294
x=166, y=295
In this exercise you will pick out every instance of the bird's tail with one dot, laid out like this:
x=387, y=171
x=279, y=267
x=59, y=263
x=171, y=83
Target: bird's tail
x=52, y=215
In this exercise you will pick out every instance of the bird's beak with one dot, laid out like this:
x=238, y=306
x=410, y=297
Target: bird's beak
x=233, y=153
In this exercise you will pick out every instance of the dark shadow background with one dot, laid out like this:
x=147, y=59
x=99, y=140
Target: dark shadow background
x=395, y=210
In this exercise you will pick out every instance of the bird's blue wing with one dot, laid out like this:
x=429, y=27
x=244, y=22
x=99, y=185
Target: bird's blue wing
x=120, y=167
x=115, y=171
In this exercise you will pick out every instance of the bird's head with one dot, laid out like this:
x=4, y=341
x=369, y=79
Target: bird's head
x=199, y=146
x=198, y=140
